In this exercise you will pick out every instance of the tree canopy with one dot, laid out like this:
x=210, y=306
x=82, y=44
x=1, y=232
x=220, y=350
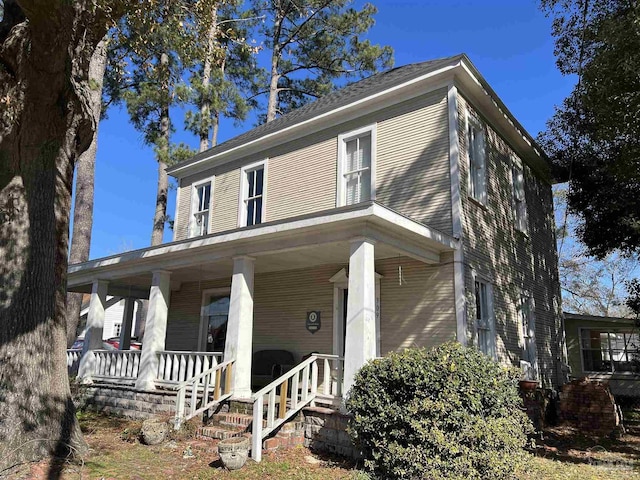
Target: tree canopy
x=594, y=137
x=312, y=43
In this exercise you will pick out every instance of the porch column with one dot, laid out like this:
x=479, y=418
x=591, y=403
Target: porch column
x=93, y=329
x=127, y=323
x=155, y=331
x=238, y=344
x=360, y=337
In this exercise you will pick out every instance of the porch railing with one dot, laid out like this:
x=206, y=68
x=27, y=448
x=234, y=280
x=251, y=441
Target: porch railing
x=178, y=366
x=122, y=365
x=73, y=361
x=290, y=393
x=203, y=391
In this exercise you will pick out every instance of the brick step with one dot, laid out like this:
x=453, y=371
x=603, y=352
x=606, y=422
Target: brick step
x=228, y=419
x=219, y=433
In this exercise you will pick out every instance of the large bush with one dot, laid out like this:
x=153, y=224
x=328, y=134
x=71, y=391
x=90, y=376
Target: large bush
x=449, y=412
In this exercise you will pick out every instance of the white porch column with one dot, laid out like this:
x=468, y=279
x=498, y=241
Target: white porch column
x=127, y=323
x=360, y=338
x=238, y=344
x=93, y=329
x=155, y=331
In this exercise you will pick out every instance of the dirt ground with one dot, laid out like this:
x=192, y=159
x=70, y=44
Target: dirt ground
x=115, y=453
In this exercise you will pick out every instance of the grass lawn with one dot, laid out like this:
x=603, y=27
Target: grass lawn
x=116, y=454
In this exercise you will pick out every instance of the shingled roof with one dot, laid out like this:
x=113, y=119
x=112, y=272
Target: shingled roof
x=339, y=98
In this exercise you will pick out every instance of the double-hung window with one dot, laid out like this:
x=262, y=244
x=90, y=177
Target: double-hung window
x=477, y=159
x=200, y=205
x=527, y=324
x=356, y=166
x=484, y=317
x=519, y=201
x=252, y=200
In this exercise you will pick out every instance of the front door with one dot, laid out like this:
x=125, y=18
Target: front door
x=215, y=315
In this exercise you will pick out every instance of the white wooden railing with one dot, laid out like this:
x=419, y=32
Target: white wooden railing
x=290, y=393
x=179, y=366
x=121, y=365
x=203, y=391
x=73, y=361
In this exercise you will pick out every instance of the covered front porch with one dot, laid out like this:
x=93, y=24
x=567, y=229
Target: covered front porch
x=309, y=286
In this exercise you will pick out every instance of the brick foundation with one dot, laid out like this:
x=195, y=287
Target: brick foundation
x=124, y=401
x=326, y=430
x=589, y=406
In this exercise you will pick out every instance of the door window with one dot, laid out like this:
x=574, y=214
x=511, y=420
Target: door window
x=216, y=316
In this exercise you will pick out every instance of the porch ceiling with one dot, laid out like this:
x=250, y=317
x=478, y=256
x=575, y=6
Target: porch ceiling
x=297, y=243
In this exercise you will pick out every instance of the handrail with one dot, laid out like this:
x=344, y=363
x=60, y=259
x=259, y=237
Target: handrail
x=202, y=383
x=299, y=386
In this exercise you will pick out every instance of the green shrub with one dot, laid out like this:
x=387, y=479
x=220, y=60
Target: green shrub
x=449, y=412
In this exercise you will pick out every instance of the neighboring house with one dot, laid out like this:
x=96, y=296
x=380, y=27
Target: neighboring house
x=113, y=318
x=605, y=348
x=405, y=210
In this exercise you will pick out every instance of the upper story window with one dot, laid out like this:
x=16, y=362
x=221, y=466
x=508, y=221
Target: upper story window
x=356, y=166
x=477, y=159
x=519, y=201
x=485, y=331
x=200, y=205
x=252, y=195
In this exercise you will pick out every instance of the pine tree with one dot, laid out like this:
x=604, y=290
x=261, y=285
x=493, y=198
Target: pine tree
x=150, y=54
x=313, y=44
x=223, y=68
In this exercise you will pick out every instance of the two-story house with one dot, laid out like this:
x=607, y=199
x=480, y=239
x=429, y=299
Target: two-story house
x=405, y=210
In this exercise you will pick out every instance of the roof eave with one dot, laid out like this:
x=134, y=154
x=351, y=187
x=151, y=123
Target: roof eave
x=438, y=78
x=461, y=68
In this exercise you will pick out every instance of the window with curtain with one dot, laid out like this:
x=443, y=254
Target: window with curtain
x=477, y=160
x=200, y=203
x=254, y=195
x=484, y=318
x=357, y=170
x=519, y=201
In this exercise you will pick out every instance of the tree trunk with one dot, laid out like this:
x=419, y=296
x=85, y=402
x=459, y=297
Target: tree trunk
x=160, y=216
x=205, y=108
x=272, y=105
x=46, y=122
x=83, y=206
x=215, y=127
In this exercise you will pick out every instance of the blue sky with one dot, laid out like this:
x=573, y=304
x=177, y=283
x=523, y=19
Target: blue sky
x=509, y=42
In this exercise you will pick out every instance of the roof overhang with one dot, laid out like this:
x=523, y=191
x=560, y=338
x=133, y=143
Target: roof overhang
x=395, y=234
x=597, y=318
x=460, y=72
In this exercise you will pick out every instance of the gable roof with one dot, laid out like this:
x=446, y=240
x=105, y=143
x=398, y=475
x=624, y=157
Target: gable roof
x=344, y=96
x=349, y=95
